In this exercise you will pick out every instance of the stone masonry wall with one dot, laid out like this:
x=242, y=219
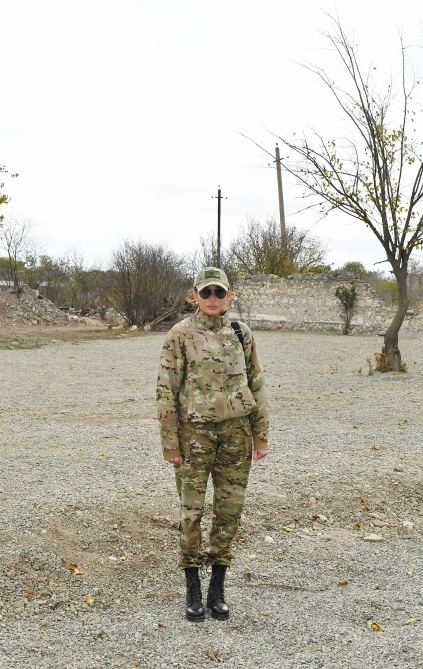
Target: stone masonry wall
x=307, y=302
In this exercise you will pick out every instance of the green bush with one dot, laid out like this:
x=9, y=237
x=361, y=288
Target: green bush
x=347, y=296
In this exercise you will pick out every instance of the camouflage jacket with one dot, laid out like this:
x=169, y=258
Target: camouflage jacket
x=206, y=376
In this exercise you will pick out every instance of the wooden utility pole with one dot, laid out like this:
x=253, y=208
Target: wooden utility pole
x=219, y=198
x=281, y=206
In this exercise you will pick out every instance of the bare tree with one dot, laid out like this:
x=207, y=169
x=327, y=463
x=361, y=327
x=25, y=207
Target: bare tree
x=14, y=240
x=147, y=278
x=259, y=249
x=369, y=176
x=375, y=175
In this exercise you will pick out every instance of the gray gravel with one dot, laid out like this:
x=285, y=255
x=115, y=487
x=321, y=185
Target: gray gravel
x=82, y=482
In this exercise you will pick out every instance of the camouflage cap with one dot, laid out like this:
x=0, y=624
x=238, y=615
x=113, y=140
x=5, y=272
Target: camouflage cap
x=211, y=276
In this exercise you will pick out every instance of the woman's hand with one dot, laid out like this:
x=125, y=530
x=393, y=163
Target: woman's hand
x=173, y=456
x=259, y=453
x=176, y=461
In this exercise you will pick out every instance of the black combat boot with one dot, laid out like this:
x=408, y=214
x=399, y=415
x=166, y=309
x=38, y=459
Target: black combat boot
x=194, y=610
x=215, y=595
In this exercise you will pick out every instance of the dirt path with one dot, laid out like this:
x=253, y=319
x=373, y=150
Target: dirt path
x=82, y=483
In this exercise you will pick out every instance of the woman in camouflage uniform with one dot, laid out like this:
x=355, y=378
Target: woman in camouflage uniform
x=213, y=420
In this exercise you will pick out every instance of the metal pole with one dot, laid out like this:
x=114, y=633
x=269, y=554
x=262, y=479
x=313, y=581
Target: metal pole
x=281, y=206
x=219, y=197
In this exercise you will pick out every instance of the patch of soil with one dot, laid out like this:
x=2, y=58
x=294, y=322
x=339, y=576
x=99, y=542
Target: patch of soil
x=89, y=551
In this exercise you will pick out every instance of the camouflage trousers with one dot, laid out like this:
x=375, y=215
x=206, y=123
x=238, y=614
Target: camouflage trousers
x=223, y=450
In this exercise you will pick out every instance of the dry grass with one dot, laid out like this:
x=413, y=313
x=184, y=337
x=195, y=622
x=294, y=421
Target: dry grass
x=36, y=337
x=17, y=344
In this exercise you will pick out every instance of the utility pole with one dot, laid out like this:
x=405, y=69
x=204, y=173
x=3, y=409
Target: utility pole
x=281, y=206
x=218, y=198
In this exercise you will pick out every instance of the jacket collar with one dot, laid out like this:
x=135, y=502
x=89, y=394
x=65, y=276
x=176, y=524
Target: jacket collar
x=211, y=322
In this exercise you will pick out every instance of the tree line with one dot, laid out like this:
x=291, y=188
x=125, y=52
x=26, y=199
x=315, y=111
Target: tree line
x=143, y=278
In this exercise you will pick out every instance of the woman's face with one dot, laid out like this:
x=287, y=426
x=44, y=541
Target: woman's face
x=213, y=305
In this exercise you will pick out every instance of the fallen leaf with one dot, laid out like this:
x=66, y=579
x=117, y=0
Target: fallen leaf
x=29, y=592
x=73, y=567
x=342, y=583
x=89, y=599
x=410, y=621
x=214, y=655
x=318, y=516
x=364, y=504
x=376, y=627
x=359, y=526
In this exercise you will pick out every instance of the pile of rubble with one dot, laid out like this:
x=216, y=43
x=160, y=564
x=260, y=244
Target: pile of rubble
x=106, y=315
x=29, y=308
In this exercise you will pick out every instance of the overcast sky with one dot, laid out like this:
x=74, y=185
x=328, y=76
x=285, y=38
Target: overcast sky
x=122, y=116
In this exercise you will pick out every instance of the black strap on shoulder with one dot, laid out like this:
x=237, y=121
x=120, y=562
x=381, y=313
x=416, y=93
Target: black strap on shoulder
x=235, y=327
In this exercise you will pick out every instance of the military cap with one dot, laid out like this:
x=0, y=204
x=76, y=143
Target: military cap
x=211, y=276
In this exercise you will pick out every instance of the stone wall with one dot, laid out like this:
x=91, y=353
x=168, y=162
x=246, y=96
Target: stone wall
x=307, y=302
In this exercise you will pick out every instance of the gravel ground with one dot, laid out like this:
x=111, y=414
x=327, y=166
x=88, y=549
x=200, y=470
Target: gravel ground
x=83, y=488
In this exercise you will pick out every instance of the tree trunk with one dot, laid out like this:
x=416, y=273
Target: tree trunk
x=390, y=359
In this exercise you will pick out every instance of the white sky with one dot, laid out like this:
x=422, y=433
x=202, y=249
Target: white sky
x=121, y=116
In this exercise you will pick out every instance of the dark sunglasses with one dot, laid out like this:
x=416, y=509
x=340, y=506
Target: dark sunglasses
x=219, y=292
